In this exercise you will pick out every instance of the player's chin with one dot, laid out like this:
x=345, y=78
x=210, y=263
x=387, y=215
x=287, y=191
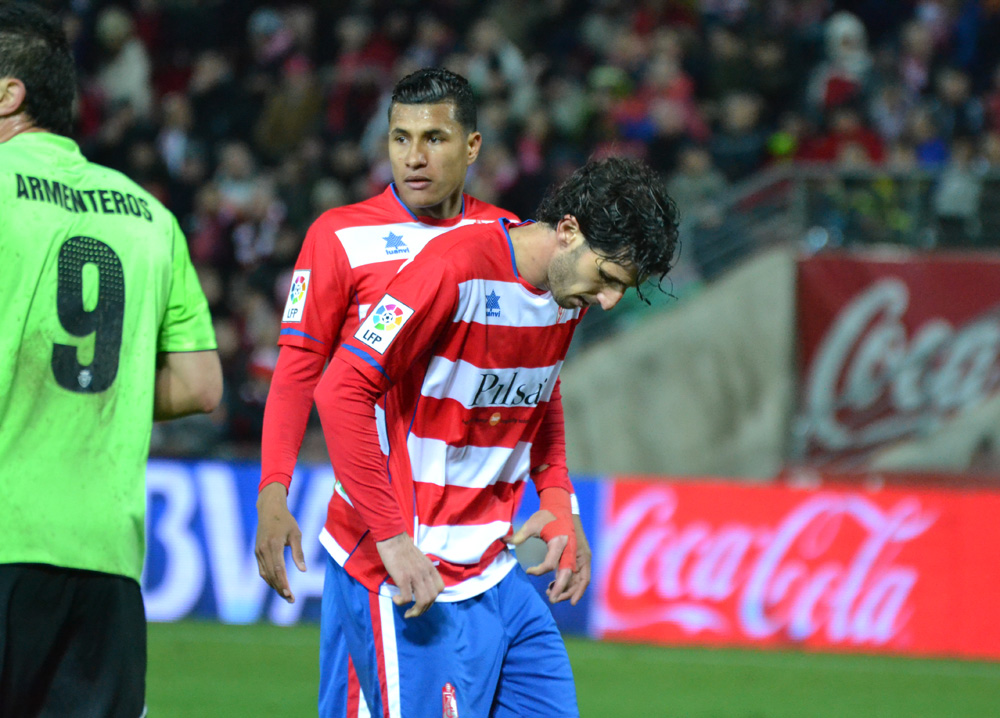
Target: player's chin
x=569, y=302
x=420, y=197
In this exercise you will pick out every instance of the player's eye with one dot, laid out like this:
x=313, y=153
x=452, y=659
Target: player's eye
x=608, y=279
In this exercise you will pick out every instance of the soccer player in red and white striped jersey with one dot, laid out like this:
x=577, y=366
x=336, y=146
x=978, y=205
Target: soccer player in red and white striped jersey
x=466, y=347
x=348, y=258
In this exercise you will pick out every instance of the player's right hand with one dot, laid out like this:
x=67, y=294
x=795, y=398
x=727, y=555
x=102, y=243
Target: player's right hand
x=412, y=572
x=277, y=528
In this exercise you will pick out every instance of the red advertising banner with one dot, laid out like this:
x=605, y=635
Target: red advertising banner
x=889, y=349
x=893, y=570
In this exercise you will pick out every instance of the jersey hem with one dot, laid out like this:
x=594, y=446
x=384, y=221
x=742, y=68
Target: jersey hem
x=493, y=574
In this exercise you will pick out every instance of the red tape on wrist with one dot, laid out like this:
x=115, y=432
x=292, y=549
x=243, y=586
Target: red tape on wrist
x=558, y=502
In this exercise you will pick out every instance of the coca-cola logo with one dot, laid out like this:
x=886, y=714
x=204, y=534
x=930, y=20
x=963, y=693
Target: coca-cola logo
x=828, y=568
x=871, y=382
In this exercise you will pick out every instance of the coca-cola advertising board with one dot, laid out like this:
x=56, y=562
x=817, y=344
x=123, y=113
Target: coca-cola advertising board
x=892, y=570
x=890, y=349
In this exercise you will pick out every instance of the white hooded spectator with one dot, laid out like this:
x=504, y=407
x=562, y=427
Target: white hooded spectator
x=842, y=76
x=125, y=76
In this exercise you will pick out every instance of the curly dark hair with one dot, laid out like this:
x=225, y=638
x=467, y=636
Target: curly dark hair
x=432, y=85
x=33, y=48
x=624, y=212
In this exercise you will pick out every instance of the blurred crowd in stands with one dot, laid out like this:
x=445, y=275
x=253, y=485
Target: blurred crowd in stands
x=250, y=119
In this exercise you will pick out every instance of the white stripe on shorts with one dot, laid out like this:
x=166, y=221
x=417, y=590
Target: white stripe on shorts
x=363, y=711
x=390, y=655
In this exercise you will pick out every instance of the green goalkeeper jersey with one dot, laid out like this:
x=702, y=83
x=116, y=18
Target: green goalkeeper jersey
x=95, y=280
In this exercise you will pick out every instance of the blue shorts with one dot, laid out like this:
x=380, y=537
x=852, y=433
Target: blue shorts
x=497, y=655
x=339, y=691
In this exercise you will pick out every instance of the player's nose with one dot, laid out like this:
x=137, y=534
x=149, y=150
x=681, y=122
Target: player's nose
x=609, y=298
x=415, y=156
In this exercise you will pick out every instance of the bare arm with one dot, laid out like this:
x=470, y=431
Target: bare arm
x=187, y=383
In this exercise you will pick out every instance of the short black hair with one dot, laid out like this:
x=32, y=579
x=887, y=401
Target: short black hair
x=433, y=85
x=34, y=49
x=624, y=212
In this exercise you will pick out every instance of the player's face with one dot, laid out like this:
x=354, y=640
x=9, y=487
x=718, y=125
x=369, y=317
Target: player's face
x=430, y=153
x=580, y=277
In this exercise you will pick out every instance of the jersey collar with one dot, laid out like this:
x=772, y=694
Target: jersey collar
x=505, y=225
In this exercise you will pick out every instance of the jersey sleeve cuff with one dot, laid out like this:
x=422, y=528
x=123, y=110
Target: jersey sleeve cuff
x=387, y=532
x=283, y=479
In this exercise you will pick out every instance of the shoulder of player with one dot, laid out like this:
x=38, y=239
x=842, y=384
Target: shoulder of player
x=79, y=185
x=370, y=211
x=464, y=248
x=478, y=209
x=100, y=175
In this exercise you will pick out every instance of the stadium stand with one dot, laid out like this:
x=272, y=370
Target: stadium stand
x=811, y=124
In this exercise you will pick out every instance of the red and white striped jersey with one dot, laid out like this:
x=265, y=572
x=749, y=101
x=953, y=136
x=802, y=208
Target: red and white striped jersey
x=472, y=353
x=348, y=257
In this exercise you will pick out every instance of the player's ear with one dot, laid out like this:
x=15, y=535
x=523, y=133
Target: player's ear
x=474, y=143
x=568, y=231
x=12, y=94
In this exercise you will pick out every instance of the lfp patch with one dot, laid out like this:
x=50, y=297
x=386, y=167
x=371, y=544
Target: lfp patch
x=382, y=325
x=296, y=296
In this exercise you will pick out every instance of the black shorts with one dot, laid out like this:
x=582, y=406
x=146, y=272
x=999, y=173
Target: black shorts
x=72, y=643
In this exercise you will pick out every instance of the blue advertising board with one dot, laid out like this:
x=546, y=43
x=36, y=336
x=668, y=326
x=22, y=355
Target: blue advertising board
x=201, y=523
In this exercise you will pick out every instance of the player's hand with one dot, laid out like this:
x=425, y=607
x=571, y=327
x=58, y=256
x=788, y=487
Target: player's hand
x=277, y=528
x=412, y=572
x=580, y=578
x=554, y=524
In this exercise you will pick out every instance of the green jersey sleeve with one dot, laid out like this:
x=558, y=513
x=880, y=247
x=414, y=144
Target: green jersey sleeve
x=187, y=324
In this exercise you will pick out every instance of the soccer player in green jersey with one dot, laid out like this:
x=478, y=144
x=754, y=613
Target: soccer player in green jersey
x=103, y=327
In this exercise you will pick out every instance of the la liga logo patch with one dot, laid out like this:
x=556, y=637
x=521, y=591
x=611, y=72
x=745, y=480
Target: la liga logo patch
x=389, y=317
x=383, y=324
x=296, y=296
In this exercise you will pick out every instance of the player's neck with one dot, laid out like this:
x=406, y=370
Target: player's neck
x=448, y=209
x=15, y=125
x=534, y=244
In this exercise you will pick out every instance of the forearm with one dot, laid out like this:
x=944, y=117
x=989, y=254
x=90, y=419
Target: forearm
x=346, y=400
x=186, y=383
x=286, y=414
x=548, y=449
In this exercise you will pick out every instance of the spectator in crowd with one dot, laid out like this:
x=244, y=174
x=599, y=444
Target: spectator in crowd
x=956, y=112
x=843, y=77
x=739, y=142
x=916, y=56
x=125, y=72
x=956, y=197
x=847, y=132
x=929, y=143
x=697, y=181
x=291, y=112
x=889, y=109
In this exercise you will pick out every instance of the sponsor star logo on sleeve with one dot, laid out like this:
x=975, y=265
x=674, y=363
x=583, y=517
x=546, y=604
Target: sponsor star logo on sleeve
x=492, y=304
x=394, y=244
